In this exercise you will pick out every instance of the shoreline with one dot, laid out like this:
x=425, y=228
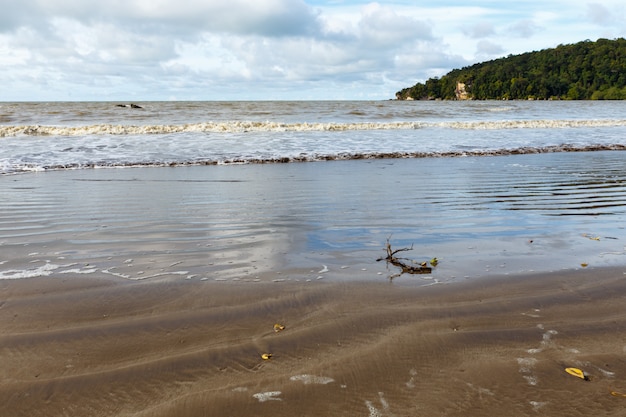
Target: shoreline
x=155, y=292
x=319, y=158
x=110, y=347
x=509, y=215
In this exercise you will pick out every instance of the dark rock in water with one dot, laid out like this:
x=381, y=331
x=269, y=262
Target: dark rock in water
x=132, y=106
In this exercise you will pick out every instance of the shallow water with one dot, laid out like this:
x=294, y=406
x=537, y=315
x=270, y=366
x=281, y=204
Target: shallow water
x=324, y=220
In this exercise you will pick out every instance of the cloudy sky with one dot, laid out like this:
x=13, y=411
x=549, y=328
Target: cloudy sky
x=271, y=49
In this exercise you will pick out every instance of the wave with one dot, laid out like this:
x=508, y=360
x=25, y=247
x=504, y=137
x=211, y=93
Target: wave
x=30, y=167
x=253, y=126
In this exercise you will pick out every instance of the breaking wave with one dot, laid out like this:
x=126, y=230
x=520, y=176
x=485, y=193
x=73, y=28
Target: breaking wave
x=254, y=126
x=26, y=167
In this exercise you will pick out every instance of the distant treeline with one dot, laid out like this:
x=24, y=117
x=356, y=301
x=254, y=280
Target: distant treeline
x=583, y=71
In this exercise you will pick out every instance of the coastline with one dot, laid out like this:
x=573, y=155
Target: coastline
x=507, y=215
x=154, y=292
x=111, y=347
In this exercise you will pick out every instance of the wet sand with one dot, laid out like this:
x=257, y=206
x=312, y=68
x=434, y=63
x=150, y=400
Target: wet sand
x=104, y=346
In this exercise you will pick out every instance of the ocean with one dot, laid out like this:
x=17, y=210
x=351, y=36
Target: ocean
x=308, y=191
x=44, y=136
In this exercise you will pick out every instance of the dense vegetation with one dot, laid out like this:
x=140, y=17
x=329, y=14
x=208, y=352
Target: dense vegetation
x=582, y=71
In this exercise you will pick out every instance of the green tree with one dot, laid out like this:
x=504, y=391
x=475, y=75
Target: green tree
x=585, y=70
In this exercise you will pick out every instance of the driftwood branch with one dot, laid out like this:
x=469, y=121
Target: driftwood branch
x=402, y=263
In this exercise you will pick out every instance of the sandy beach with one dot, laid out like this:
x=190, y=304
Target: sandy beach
x=155, y=291
x=108, y=347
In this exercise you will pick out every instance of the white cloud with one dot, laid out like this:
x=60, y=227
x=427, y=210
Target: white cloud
x=599, y=14
x=479, y=29
x=525, y=28
x=213, y=49
x=382, y=27
x=487, y=48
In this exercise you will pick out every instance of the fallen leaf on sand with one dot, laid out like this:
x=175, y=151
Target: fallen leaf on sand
x=577, y=373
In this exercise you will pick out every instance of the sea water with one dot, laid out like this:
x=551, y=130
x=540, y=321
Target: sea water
x=489, y=188
x=44, y=136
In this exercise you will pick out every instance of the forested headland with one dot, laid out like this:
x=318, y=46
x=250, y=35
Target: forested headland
x=583, y=71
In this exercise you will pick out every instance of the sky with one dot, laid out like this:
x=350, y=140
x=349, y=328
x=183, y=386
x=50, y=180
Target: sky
x=143, y=50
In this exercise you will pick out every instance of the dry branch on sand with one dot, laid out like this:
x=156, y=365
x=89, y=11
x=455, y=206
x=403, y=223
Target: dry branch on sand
x=403, y=263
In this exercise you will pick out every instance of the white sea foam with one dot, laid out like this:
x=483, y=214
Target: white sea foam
x=547, y=337
x=536, y=405
x=79, y=271
x=267, y=396
x=531, y=124
x=208, y=127
x=526, y=363
x=162, y=274
x=312, y=379
x=42, y=271
x=531, y=379
x=607, y=374
x=375, y=412
x=271, y=126
x=116, y=274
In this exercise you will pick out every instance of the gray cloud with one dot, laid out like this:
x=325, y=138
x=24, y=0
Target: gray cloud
x=261, y=17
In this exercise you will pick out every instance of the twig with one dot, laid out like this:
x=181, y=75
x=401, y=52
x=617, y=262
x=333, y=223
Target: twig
x=398, y=262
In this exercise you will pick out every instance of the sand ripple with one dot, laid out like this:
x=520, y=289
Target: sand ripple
x=105, y=347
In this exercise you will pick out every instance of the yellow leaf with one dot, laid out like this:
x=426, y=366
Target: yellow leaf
x=266, y=356
x=576, y=372
x=278, y=327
